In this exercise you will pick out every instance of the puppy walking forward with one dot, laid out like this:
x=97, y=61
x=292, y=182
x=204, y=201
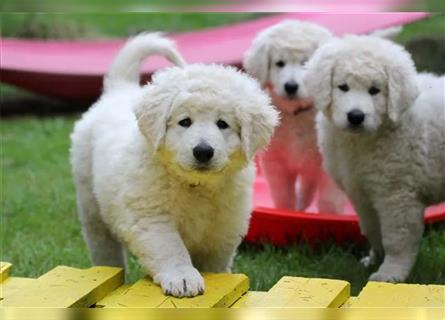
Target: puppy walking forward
x=165, y=170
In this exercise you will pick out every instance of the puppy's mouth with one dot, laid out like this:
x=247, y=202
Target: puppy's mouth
x=355, y=129
x=203, y=167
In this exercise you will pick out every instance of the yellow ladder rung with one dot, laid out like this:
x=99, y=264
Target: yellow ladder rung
x=64, y=287
x=221, y=290
x=381, y=294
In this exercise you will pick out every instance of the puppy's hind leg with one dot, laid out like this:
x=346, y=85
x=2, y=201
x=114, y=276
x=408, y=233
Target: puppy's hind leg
x=307, y=185
x=104, y=249
x=369, y=226
x=219, y=260
x=281, y=184
x=331, y=198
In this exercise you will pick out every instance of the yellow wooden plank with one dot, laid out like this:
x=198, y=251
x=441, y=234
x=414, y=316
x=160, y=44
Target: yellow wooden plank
x=109, y=298
x=5, y=268
x=142, y=294
x=381, y=294
x=349, y=302
x=13, y=284
x=304, y=292
x=249, y=299
x=221, y=290
x=67, y=287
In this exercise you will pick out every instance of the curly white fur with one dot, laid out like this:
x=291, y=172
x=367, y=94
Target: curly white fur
x=276, y=58
x=391, y=163
x=137, y=180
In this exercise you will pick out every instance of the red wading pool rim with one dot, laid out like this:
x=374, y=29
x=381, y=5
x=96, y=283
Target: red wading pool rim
x=281, y=227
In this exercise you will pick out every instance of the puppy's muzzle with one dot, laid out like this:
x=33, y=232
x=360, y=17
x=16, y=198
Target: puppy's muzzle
x=291, y=88
x=355, y=118
x=203, y=153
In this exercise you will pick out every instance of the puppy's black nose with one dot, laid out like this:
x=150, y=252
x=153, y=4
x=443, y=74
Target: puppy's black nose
x=291, y=88
x=356, y=117
x=203, y=152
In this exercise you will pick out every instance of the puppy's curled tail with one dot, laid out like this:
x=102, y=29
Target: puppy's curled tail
x=126, y=66
x=388, y=33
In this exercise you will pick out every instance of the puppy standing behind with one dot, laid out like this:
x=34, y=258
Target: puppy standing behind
x=382, y=135
x=166, y=169
x=276, y=59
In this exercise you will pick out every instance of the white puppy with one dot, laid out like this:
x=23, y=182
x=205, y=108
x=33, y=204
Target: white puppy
x=166, y=169
x=276, y=58
x=382, y=135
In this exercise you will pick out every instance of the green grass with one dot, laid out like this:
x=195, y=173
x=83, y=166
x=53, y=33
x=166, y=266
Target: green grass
x=40, y=228
x=433, y=26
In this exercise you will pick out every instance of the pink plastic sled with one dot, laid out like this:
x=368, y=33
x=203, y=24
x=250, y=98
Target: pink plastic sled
x=74, y=70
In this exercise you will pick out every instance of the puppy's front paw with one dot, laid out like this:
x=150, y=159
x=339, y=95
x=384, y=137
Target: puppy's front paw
x=384, y=277
x=179, y=282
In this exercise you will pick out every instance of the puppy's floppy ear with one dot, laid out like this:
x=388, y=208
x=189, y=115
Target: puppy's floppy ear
x=257, y=127
x=318, y=76
x=152, y=112
x=402, y=84
x=256, y=60
x=158, y=101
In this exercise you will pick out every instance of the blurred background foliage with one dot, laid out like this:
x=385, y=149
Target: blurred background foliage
x=104, y=25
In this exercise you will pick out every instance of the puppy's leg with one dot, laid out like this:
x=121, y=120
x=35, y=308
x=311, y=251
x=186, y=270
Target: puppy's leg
x=221, y=257
x=154, y=240
x=369, y=226
x=331, y=198
x=103, y=248
x=281, y=184
x=402, y=228
x=307, y=185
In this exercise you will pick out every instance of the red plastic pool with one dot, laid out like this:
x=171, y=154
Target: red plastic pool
x=281, y=227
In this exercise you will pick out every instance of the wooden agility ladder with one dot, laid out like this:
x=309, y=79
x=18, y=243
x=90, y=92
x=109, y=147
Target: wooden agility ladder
x=104, y=287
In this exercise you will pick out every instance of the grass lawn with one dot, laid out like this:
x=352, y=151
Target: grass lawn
x=39, y=226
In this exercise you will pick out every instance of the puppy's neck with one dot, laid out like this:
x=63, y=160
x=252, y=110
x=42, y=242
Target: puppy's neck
x=290, y=107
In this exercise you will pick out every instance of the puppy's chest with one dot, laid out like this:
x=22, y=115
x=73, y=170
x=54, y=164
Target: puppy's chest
x=298, y=127
x=198, y=214
x=295, y=137
x=359, y=163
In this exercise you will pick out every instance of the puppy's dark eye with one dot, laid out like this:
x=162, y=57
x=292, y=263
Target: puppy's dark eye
x=344, y=87
x=280, y=64
x=373, y=91
x=187, y=122
x=222, y=124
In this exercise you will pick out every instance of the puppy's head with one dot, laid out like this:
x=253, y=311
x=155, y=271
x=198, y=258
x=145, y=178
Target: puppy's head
x=361, y=82
x=205, y=120
x=278, y=54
